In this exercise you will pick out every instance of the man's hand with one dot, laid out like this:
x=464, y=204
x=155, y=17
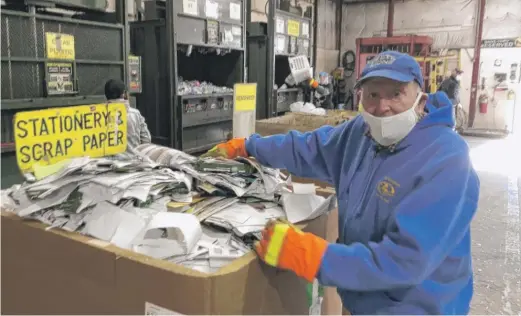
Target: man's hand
x=230, y=150
x=287, y=247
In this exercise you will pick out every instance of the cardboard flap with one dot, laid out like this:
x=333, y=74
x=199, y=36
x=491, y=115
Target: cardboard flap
x=181, y=291
x=43, y=272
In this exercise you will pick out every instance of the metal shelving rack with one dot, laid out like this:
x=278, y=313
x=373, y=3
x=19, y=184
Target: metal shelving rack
x=101, y=49
x=170, y=41
x=289, y=31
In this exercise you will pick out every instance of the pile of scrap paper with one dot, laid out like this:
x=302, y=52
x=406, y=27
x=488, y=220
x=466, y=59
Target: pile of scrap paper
x=201, y=213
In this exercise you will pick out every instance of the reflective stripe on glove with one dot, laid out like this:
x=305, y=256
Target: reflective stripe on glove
x=287, y=247
x=230, y=150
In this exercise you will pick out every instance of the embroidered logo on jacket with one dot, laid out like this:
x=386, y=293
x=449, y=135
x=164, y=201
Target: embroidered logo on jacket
x=386, y=189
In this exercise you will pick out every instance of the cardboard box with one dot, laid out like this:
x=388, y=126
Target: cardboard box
x=55, y=272
x=301, y=122
x=343, y=114
x=292, y=121
x=332, y=304
x=304, y=123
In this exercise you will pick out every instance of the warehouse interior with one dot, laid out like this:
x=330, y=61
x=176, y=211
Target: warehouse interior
x=169, y=230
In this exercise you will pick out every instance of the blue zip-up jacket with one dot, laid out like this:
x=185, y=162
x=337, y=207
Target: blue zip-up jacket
x=404, y=214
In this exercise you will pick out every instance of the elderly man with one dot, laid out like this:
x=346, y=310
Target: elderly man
x=406, y=193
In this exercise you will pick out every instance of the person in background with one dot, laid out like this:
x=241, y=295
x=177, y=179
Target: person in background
x=451, y=86
x=137, y=130
x=325, y=81
x=406, y=191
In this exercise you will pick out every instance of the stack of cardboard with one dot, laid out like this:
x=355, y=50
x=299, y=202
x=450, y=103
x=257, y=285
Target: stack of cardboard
x=302, y=122
x=342, y=114
x=293, y=121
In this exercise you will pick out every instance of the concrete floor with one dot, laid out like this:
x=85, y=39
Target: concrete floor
x=496, y=227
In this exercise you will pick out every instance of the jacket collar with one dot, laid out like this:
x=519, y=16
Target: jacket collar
x=121, y=100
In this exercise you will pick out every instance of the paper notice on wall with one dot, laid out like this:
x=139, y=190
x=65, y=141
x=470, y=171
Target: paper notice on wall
x=293, y=28
x=212, y=9
x=235, y=11
x=279, y=28
x=305, y=29
x=236, y=31
x=153, y=309
x=228, y=36
x=190, y=7
x=280, y=44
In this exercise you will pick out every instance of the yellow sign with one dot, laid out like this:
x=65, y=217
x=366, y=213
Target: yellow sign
x=60, y=46
x=244, y=97
x=49, y=136
x=293, y=28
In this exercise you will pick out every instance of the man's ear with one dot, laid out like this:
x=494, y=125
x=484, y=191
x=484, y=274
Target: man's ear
x=423, y=102
x=358, y=94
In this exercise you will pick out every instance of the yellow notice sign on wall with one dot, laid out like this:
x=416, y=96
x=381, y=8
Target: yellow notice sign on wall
x=49, y=136
x=293, y=28
x=244, y=97
x=60, y=46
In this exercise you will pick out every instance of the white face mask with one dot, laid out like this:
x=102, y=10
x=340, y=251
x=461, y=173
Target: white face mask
x=389, y=130
x=458, y=77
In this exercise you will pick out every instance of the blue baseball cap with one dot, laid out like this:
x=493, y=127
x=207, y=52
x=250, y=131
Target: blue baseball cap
x=392, y=65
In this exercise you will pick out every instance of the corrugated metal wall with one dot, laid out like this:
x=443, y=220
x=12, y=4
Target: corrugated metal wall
x=327, y=30
x=502, y=19
x=451, y=23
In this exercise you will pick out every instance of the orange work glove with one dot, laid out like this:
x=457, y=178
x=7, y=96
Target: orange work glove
x=287, y=247
x=313, y=83
x=231, y=149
